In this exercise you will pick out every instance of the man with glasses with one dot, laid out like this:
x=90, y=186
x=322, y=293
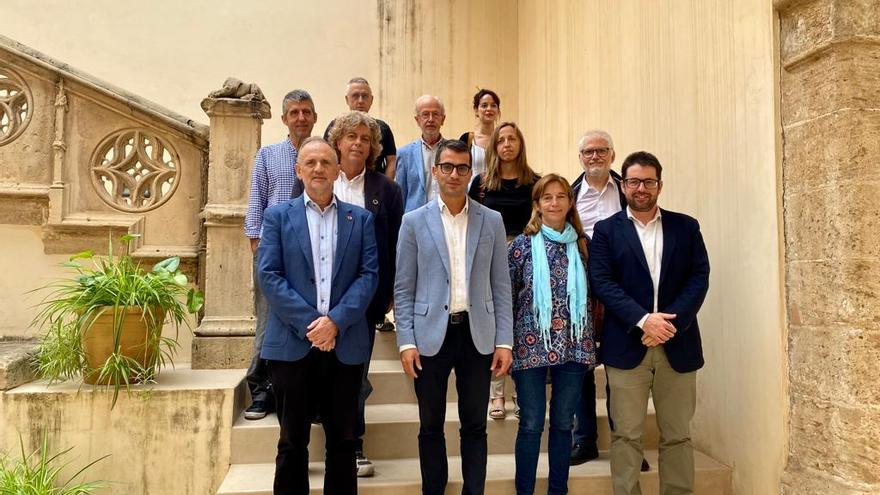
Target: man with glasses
x=359, y=97
x=650, y=269
x=454, y=311
x=416, y=158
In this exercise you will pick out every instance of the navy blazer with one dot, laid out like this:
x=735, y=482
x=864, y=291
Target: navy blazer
x=620, y=278
x=383, y=199
x=287, y=277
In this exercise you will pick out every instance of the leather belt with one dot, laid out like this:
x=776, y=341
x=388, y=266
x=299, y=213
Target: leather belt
x=458, y=318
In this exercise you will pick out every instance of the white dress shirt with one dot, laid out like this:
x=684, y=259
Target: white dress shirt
x=350, y=191
x=455, y=231
x=429, y=154
x=322, y=234
x=651, y=237
x=593, y=205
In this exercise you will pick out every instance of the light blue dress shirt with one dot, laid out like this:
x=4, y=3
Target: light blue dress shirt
x=322, y=233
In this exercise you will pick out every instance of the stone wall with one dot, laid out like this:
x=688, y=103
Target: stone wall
x=830, y=84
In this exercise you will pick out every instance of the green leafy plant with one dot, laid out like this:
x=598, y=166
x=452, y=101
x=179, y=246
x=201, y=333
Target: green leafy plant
x=112, y=285
x=38, y=473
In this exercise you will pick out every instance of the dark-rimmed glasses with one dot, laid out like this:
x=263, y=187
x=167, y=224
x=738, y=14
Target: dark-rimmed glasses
x=635, y=183
x=600, y=152
x=447, y=168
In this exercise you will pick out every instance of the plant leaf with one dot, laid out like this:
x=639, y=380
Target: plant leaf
x=194, y=300
x=168, y=265
x=129, y=237
x=82, y=254
x=180, y=279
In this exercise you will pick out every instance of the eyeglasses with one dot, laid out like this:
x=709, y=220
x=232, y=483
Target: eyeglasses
x=635, y=183
x=600, y=152
x=447, y=168
x=428, y=115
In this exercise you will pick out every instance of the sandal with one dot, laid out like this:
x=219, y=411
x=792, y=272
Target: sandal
x=497, y=412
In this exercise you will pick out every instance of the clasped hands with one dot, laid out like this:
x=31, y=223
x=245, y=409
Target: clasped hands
x=501, y=361
x=322, y=333
x=658, y=329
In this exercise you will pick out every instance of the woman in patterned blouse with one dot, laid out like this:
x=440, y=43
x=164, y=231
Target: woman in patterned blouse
x=552, y=331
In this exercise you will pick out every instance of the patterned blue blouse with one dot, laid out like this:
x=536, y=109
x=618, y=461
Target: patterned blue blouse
x=528, y=345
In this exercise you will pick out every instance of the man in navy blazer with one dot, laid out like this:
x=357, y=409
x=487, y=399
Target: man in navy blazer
x=650, y=269
x=453, y=306
x=318, y=270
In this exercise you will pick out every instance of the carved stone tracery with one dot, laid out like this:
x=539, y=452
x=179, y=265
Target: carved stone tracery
x=16, y=105
x=135, y=170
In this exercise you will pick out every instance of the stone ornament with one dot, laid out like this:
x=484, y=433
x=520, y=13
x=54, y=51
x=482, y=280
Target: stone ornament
x=238, y=89
x=16, y=105
x=135, y=170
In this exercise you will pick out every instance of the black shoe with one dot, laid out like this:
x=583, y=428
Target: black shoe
x=257, y=410
x=582, y=453
x=385, y=326
x=645, y=466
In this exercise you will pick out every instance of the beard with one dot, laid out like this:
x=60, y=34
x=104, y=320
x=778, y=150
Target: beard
x=641, y=204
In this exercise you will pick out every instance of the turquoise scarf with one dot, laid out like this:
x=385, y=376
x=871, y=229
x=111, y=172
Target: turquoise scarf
x=576, y=286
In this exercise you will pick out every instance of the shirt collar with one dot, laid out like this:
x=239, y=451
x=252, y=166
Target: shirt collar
x=445, y=209
x=313, y=205
x=357, y=178
x=630, y=215
x=586, y=185
x=426, y=145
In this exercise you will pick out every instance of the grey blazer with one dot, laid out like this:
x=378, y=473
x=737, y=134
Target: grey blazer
x=421, y=287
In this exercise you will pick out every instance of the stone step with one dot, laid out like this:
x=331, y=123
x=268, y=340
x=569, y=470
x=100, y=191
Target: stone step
x=401, y=477
x=391, y=385
x=392, y=432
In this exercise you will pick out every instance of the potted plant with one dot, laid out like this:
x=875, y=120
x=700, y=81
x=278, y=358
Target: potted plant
x=105, y=323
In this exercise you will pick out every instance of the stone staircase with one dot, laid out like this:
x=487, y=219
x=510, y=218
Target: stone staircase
x=391, y=442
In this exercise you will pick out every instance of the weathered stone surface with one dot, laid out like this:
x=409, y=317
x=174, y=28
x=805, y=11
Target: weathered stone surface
x=15, y=362
x=811, y=482
x=16, y=210
x=804, y=27
x=839, y=440
x=835, y=363
x=847, y=76
x=170, y=438
x=833, y=222
x=856, y=18
x=828, y=292
x=222, y=352
x=837, y=148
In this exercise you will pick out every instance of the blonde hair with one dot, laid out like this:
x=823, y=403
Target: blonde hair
x=350, y=121
x=525, y=174
x=572, y=217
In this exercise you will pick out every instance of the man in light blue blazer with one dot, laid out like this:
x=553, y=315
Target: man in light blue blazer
x=414, y=161
x=318, y=269
x=453, y=309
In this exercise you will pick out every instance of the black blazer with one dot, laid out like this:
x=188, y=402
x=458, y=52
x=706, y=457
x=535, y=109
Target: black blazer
x=620, y=278
x=382, y=198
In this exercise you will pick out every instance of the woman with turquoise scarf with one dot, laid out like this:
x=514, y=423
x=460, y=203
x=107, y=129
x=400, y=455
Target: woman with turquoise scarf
x=552, y=331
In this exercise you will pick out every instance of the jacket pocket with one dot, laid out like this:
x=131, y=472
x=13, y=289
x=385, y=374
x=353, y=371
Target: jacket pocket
x=490, y=306
x=420, y=308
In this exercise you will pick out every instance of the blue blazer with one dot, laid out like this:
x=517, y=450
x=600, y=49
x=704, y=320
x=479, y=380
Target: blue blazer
x=287, y=278
x=410, y=175
x=421, y=287
x=619, y=277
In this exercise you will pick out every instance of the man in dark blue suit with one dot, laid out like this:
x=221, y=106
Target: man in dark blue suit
x=318, y=270
x=650, y=269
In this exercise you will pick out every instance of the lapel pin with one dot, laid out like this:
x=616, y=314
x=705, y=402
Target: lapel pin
x=348, y=217
x=375, y=201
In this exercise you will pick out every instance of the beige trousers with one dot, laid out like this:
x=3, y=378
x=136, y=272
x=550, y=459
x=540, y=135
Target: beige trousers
x=674, y=401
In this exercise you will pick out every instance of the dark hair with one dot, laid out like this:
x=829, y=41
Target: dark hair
x=483, y=92
x=644, y=159
x=454, y=145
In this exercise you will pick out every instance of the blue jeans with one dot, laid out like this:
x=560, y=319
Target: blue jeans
x=531, y=388
x=585, y=430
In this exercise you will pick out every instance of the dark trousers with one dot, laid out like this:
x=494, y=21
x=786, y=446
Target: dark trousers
x=317, y=383
x=365, y=391
x=257, y=377
x=586, y=429
x=472, y=376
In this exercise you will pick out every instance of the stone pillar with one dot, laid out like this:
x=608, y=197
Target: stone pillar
x=224, y=338
x=830, y=109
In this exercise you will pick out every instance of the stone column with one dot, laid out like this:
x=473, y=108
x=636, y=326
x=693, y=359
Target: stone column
x=830, y=109
x=224, y=338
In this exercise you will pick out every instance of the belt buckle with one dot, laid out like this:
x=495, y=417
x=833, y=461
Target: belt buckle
x=457, y=318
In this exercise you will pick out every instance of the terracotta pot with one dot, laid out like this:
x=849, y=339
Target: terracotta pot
x=98, y=341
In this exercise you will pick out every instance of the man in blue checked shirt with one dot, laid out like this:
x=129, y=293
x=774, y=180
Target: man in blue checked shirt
x=272, y=183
